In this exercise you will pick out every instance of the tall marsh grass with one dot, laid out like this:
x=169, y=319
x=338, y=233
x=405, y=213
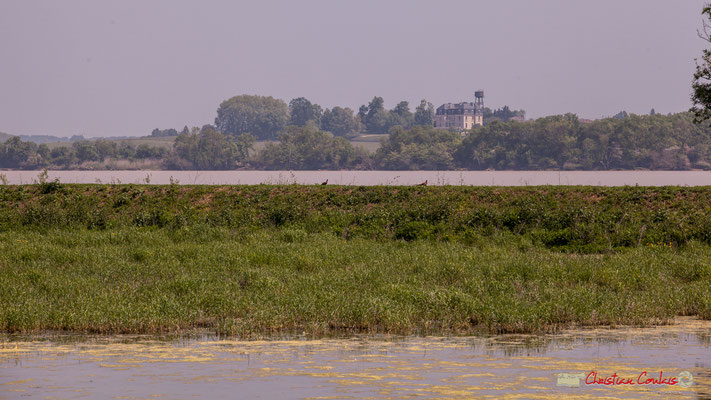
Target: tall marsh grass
x=265, y=260
x=273, y=281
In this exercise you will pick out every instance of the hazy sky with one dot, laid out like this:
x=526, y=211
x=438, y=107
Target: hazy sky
x=106, y=68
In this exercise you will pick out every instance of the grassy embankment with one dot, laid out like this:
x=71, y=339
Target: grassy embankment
x=255, y=260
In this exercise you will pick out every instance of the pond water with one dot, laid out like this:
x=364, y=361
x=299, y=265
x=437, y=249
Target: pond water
x=372, y=178
x=497, y=367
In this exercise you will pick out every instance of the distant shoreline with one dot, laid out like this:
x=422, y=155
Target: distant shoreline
x=366, y=178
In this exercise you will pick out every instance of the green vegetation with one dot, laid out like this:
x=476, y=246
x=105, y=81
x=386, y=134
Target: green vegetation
x=503, y=114
x=261, y=116
x=209, y=149
x=302, y=111
x=701, y=95
x=564, y=142
x=341, y=122
x=672, y=142
x=101, y=153
x=418, y=148
x=376, y=119
x=311, y=148
x=655, y=142
x=158, y=133
x=304, y=136
x=254, y=260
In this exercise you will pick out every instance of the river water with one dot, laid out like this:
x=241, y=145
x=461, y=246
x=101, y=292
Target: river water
x=496, y=367
x=373, y=178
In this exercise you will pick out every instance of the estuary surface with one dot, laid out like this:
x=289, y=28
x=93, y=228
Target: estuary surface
x=496, y=367
x=374, y=178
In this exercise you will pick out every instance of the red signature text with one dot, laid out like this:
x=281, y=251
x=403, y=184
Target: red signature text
x=642, y=379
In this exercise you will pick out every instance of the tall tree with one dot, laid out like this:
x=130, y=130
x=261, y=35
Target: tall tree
x=340, y=122
x=302, y=111
x=376, y=119
x=375, y=106
x=701, y=96
x=424, y=113
x=363, y=113
x=261, y=116
x=401, y=115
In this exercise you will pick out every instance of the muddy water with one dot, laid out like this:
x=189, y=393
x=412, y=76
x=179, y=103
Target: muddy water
x=508, y=366
x=373, y=178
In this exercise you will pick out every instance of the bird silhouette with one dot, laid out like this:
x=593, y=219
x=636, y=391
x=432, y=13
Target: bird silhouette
x=325, y=182
x=423, y=183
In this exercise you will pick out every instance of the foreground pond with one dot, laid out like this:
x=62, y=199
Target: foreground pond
x=373, y=178
x=505, y=366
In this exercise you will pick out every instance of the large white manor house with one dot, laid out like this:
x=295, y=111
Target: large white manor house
x=461, y=116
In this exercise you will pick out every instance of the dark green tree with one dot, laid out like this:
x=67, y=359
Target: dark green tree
x=420, y=147
x=621, y=115
x=401, y=115
x=105, y=149
x=504, y=113
x=185, y=149
x=363, y=113
x=261, y=116
x=302, y=111
x=146, y=151
x=701, y=87
x=304, y=148
x=209, y=149
x=377, y=119
x=15, y=153
x=424, y=113
x=245, y=143
x=164, y=133
x=44, y=153
x=215, y=150
x=63, y=156
x=340, y=122
x=86, y=151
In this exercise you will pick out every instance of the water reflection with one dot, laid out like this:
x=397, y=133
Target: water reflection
x=506, y=366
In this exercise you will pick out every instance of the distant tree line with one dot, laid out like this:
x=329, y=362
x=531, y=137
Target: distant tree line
x=627, y=141
x=266, y=133
x=15, y=153
x=562, y=142
x=503, y=114
x=266, y=117
x=164, y=132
